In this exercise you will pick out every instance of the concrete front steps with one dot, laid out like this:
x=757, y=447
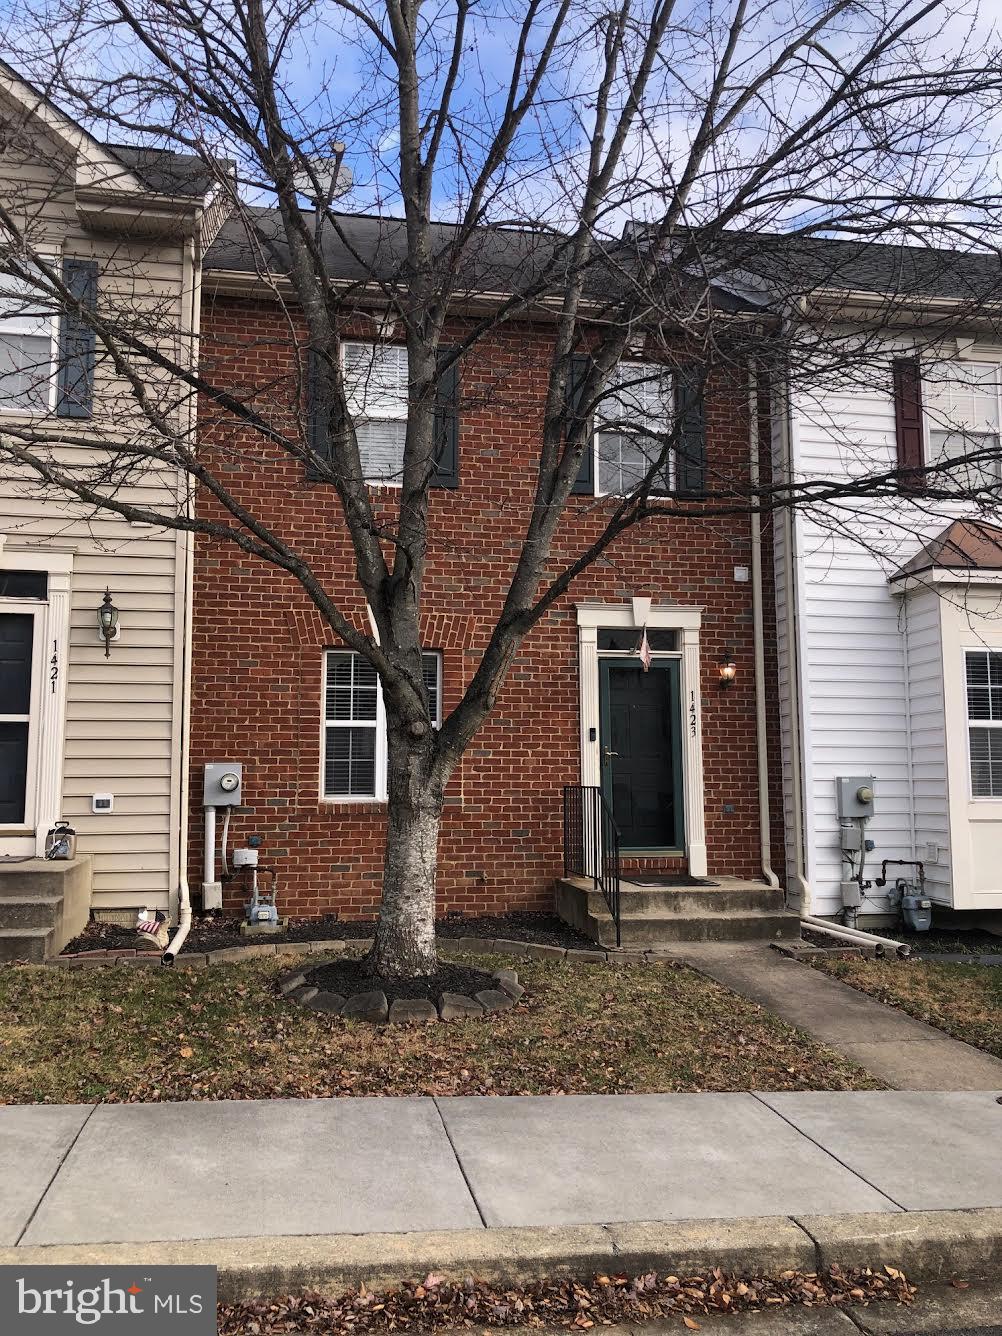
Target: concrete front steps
x=42, y=906
x=732, y=911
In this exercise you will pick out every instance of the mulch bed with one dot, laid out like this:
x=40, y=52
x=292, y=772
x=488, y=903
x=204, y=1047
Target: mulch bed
x=436, y=1304
x=214, y=934
x=350, y=976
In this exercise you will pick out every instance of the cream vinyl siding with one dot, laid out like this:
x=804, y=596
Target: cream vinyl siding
x=122, y=729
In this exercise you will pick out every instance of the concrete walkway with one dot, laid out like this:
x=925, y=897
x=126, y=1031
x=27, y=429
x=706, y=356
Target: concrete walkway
x=80, y=1174
x=901, y=1051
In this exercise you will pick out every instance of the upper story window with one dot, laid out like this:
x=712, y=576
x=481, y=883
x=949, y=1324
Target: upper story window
x=28, y=341
x=961, y=401
x=984, y=714
x=354, y=762
x=632, y=422
x=376, y=380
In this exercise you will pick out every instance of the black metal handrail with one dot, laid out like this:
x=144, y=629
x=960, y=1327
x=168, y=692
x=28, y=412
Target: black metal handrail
x=591, y=843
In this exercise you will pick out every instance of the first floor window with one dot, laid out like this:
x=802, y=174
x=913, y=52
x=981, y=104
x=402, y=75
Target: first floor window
x=355, y=722
x=984, y=714
x=375, y=382
x=631, y=425
x=27, y=348
x=961, y=402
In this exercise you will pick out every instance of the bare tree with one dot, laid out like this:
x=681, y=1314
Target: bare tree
x=638, y=174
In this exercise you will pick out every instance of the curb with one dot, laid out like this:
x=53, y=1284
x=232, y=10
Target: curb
x=503, y=946
x=926, y=1245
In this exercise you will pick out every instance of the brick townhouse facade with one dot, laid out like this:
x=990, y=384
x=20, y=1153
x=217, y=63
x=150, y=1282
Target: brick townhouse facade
x=262, y=655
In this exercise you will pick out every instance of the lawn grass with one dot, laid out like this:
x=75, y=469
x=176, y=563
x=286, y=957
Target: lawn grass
x=963, y=1000
x=119, y=1034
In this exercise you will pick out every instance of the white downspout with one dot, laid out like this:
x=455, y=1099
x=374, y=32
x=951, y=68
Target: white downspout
x=191, y=297
x=761, y=723
x=802, y=886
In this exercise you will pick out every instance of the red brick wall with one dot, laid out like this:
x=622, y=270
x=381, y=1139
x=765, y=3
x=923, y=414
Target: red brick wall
x=258, y=642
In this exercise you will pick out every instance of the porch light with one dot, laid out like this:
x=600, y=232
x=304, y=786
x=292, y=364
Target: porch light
x=728, y=669
x=107, y=622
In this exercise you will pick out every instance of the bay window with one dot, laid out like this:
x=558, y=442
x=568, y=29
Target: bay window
x=984, y=715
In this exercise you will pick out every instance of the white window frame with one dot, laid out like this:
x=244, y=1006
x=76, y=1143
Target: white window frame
x=397, y=413
x=53, y=323
x=929, y=423
x=379, y=724
x=968, y=651
x=596, y=433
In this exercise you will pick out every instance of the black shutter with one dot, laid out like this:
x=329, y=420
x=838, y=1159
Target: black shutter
x=908, y=421
x=690, y=451
x=76, y=342
x=574, y=392
x=446, y=472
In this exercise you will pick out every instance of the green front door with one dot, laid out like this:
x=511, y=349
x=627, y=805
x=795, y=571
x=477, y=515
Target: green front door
x=641, y=751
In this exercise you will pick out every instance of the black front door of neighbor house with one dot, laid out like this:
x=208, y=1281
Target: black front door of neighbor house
x=641, y=751
x=16, y=636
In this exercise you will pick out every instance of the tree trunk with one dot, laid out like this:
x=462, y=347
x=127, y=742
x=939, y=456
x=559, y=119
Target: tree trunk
x=405, y=935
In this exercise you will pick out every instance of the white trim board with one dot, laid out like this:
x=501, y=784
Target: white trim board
x=661, y=616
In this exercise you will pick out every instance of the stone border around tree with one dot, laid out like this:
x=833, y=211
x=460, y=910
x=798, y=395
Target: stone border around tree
x=352, y=946
x=373, y=1006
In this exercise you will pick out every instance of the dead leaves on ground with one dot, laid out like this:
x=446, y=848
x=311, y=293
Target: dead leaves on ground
x=436, y=1304
x=116, y=1035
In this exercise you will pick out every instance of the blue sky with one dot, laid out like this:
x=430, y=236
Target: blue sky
x=336, y=85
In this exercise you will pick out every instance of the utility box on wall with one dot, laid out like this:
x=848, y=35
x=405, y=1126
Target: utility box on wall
x=855, y=796
x=223, y=784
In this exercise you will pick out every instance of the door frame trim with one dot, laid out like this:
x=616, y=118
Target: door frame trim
x=48, y=723
x=686, y=620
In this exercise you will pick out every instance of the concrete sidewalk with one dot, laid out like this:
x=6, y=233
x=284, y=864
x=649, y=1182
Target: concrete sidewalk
x=79, y=1175
x=899, y=1050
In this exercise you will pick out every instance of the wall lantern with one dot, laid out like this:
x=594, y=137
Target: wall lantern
x=107, y=622
x=728, y=669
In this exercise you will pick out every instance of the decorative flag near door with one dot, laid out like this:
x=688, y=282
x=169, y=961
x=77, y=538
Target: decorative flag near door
x=644, y=652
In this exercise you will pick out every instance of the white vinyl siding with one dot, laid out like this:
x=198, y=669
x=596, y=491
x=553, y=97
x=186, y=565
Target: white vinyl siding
x=851, y=647
x=376, y=381
x=961, y=403
x=355, y=723
x=631, y=424
x=984, y=713
x=28, y=333
x=871, y=657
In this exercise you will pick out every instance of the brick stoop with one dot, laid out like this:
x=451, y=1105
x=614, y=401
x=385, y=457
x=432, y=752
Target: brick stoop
x=43, y=905
x=731, y=911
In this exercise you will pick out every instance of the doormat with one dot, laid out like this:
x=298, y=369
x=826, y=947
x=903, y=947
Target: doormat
x=665, y=879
